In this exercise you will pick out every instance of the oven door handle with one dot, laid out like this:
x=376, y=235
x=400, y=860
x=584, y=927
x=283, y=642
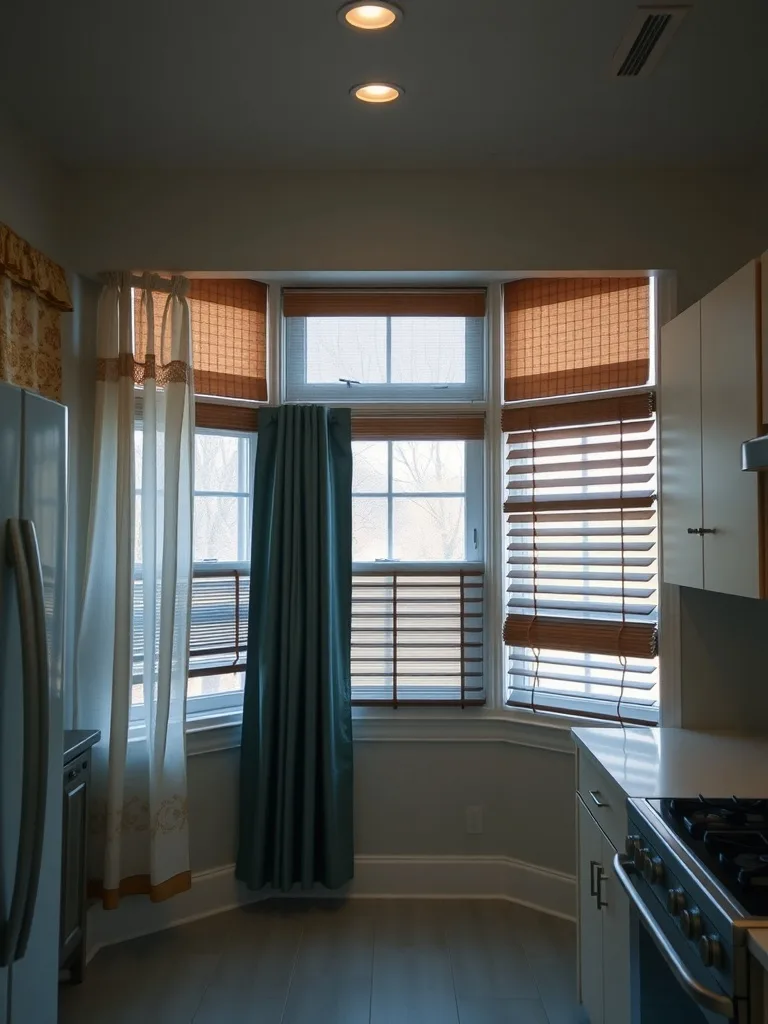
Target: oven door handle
x=707, y=998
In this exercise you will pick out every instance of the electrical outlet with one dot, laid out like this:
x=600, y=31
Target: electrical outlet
x=474, y=820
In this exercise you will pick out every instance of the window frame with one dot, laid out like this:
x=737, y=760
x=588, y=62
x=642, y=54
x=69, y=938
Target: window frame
x=215, y=703
x=198, y=707
x=473, y=495
x=298, y=389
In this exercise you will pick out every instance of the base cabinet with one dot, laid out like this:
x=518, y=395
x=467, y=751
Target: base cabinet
x=604, y=935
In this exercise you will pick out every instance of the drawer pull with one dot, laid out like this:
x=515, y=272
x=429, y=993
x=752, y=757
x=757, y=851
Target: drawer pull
x=595, y=794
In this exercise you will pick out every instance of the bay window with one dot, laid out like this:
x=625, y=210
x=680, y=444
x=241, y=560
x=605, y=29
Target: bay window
x=579, y=541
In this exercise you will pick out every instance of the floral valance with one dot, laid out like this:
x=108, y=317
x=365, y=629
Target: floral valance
x=31, y=269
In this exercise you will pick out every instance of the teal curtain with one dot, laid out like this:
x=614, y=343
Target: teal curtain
x=296, y=752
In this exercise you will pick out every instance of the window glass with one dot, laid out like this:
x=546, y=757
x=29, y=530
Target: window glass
x=358, y=359
x=409, y=501
x=428, y=350
x=224, y=464
x=428, y=529
x=352, y=348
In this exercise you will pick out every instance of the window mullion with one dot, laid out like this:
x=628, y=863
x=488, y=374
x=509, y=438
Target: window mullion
x=390, y=504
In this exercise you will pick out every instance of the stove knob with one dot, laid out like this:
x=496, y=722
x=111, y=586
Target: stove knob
x=653, y=870
x=690, y=922
x=675, y=901
x=631, y=843
x=641, y=853
x=710, y=951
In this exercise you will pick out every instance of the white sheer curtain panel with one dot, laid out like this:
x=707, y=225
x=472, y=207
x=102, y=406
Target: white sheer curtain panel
x=133, y=647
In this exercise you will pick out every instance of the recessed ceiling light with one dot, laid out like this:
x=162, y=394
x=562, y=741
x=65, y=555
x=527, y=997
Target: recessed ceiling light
x=377, y=92
x=370, y=16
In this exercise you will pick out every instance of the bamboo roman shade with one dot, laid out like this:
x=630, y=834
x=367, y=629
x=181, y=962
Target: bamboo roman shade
x=417, y=636
x=383, y=302
x=219, y=416
x=581, y=556
x=418, y=428
x=229, y=336
x=565, y=336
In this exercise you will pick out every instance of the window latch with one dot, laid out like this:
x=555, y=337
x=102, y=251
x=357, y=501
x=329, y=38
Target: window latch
x=348, y=381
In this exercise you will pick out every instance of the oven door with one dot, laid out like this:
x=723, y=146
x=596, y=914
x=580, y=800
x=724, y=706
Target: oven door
x=670, y=985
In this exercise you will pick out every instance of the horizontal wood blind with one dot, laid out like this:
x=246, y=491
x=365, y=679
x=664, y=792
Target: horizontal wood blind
x=218, y=624
x=381, y=302
x=565, y=336
x=228, y=319
x=581, y=556
x=417, y=636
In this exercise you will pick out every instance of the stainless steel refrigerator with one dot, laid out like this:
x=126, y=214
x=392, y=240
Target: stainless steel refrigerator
x=33, y=522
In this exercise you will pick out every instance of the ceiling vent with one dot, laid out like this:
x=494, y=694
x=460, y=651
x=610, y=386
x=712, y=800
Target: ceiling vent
x=649, y=34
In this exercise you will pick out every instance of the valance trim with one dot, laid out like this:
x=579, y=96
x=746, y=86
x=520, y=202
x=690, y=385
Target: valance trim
x=29, y=268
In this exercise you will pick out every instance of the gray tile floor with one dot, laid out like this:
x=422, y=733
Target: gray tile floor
x=325, y=962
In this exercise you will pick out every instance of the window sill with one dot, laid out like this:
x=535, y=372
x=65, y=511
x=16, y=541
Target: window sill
x=209, y=733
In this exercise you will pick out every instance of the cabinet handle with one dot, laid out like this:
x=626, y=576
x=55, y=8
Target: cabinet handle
x=595, y=794
x=601, y=877
x=697, y=532
x=703, y=530
x=592, y=887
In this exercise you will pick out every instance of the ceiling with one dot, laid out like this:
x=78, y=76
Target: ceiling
x=488, y=83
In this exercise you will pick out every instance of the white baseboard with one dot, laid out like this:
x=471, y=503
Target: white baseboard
x=427, y=877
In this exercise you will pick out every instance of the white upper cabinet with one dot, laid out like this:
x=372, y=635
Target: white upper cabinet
x=731, y=395
x=680, y=434
x=711, y=386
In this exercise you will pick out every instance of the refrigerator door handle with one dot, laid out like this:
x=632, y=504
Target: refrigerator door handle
x=30, y=782
x=32, y=552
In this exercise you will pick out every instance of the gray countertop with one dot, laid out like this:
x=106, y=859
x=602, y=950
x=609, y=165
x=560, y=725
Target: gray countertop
x=77, y=741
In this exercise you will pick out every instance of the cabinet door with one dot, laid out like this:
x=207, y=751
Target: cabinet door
x=616, y=973
x=680, y=449
x=730, y=413
x=590, y=917
x=73, y=902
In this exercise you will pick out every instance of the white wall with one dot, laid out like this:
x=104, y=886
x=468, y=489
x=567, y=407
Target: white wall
x=701, y=224
x=30, y=192
x=411, y=799
x=724, y=645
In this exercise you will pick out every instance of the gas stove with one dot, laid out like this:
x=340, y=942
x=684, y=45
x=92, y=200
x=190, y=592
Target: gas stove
x=730, y=838
x=696, y=871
